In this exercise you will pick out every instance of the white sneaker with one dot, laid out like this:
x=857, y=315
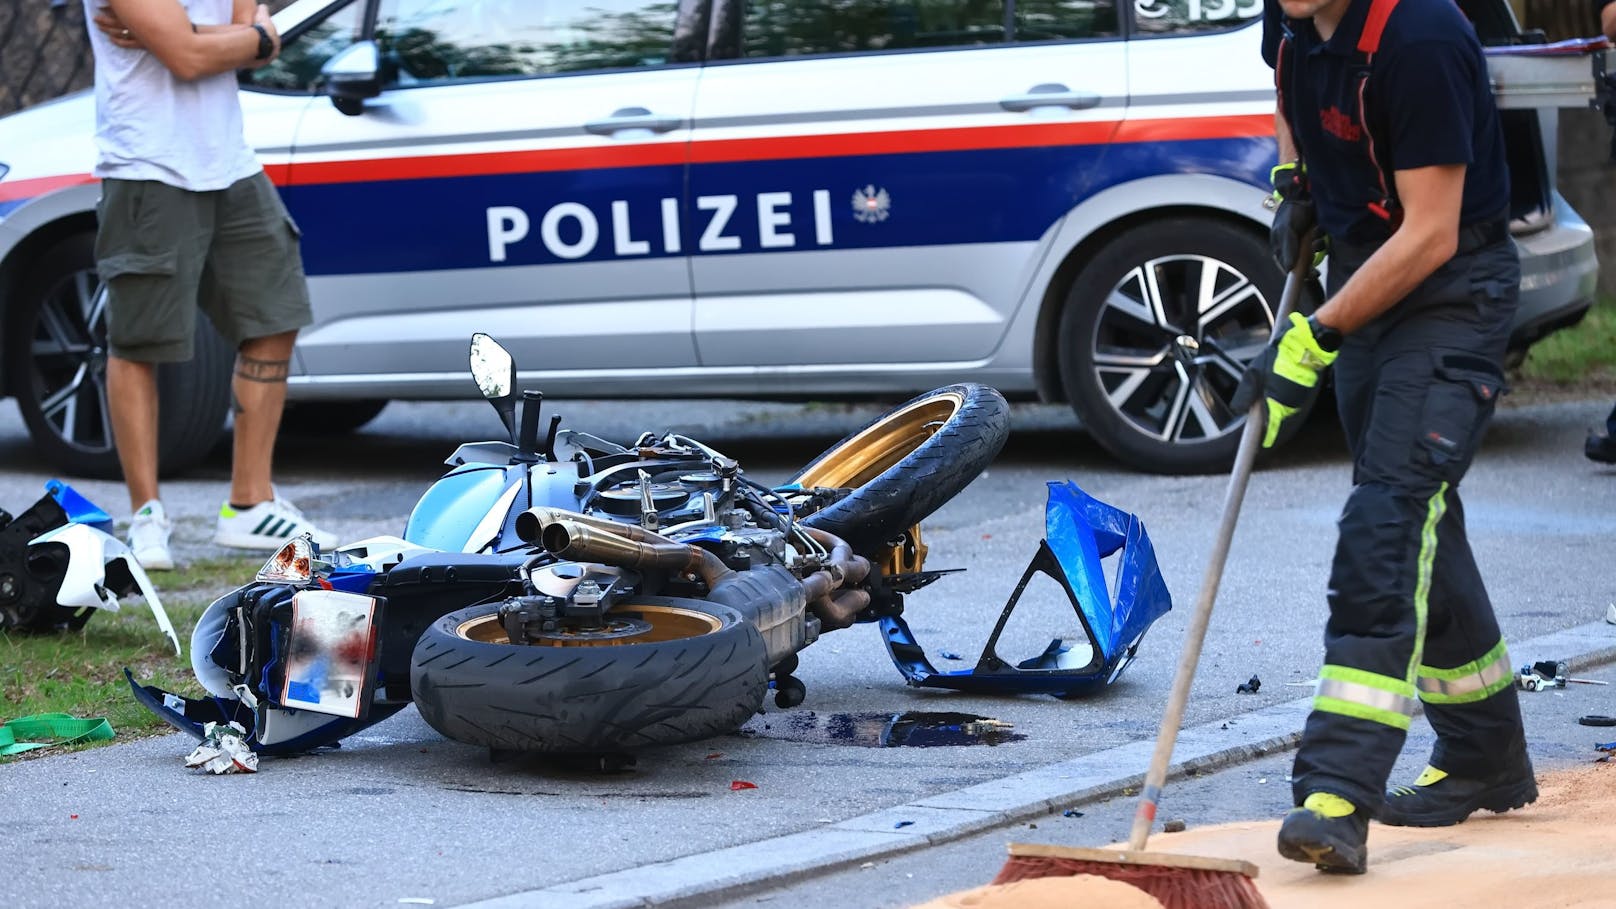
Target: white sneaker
x=148, y=537
x=267, y=525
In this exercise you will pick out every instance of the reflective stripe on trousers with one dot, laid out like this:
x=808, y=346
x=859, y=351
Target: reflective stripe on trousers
x=1477, y=680
x=1365, y=695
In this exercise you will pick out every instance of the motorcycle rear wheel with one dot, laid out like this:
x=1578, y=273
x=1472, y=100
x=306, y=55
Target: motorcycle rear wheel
x=673, y=670
x=907, y=463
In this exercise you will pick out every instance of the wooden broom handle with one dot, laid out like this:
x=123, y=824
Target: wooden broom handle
x=1245, y=457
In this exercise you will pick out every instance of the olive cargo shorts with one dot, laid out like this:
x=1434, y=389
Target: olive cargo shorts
x=164, y=251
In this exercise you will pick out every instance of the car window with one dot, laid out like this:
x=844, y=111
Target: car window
x=1045, y=20
x=782, y=28
x=785, y=28
x=307, y=49
x=1192, y=17
x=437, y=41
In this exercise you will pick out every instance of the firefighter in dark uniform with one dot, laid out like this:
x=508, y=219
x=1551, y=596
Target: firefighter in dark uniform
x=1388, y=106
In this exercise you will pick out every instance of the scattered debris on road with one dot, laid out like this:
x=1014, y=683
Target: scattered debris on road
x=223, y=750
x=738, y=785
x=1249, y=687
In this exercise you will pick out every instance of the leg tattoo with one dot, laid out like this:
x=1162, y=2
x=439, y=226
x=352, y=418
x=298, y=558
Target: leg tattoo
x=268, y=371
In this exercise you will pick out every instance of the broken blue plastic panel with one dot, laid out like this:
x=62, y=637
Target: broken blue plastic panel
x=1079, y=531
x=79, y=509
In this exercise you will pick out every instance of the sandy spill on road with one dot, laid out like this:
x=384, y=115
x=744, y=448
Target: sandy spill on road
x=1559, y=852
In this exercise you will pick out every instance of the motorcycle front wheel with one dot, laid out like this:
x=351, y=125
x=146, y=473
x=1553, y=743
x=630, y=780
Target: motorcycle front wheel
x=906, y=464
x=662, y=671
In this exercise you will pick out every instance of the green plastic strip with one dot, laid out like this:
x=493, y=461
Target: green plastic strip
x=18, y=735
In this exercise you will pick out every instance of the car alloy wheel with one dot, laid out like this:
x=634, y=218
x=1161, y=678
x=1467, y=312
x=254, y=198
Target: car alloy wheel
x=1171, y=341
x=68, y=369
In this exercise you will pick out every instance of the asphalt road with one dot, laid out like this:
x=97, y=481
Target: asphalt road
x=400, y=812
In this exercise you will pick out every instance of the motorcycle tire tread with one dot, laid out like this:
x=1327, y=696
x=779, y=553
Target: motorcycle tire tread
x=924, y=480
x=583, y=700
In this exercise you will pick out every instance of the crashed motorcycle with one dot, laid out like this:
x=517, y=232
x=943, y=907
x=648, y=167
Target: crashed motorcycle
x=558, y=592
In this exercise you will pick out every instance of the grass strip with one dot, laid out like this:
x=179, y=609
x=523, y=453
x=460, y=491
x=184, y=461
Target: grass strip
x=1584, y=355
x=81, y=672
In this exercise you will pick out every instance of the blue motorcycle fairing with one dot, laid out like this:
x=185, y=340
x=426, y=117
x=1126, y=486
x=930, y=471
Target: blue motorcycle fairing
x=1081, y=530
x=79, y=509
x=191, y=716
x=454, y=505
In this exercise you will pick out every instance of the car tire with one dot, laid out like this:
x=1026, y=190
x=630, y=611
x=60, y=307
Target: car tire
x=701, y=670
x=324, y=418
x=55, y=358
x=906, y=463
x=1155, y=333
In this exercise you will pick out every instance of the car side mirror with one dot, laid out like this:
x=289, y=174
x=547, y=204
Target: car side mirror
x=353, y=76
x=494, y=370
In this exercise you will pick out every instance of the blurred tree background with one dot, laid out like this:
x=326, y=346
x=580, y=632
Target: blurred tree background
x=45, y=51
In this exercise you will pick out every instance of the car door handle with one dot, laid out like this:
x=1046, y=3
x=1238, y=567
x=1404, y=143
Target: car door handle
x=1051, y=94
x=633, y=118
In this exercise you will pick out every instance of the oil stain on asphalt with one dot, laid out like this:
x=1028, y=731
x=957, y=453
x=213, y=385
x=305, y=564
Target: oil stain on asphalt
x=882, y=730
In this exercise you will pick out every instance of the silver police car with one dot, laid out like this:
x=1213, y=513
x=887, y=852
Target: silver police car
x=753, y=198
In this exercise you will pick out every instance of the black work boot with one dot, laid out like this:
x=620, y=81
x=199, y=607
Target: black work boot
x=1328, y=831
x=1601, y=446
x=1439, y=800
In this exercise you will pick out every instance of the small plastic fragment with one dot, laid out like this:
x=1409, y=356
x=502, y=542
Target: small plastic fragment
x=949, y=655
x=1249, y=687
x=715, y=755
x=1071, y=812
x=738, y=785
x=902, y=824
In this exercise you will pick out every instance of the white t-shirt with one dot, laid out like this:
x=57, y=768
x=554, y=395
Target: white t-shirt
x=149, y=125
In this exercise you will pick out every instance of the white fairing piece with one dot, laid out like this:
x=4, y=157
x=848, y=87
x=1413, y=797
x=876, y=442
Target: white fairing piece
x=209, y=628
x=278, y=724
x=383, y=552
x=90, y=551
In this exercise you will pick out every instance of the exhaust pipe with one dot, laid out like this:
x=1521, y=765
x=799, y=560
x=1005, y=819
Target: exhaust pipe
x=579, y=541
x=530, y=525
x=836, y=608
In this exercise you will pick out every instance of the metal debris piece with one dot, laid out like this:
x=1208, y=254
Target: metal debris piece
x=985, y=726
x=223, y=750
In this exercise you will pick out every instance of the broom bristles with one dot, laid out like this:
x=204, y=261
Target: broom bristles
x=1174, y=887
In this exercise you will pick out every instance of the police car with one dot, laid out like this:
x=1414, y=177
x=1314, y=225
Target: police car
x=761, y=198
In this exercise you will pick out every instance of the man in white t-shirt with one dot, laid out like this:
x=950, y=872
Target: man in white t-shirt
x=188, y=218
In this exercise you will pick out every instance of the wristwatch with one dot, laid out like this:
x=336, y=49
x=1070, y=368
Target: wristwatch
x=1328, y=339
x=265, y=46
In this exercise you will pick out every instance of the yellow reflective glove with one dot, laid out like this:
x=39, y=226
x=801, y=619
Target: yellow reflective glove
x=1285, y=373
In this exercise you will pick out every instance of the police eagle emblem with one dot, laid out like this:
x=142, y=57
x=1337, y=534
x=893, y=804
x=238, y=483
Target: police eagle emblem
x=871, y=205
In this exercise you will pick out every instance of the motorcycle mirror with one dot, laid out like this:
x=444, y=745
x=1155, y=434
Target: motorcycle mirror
x=494, y=370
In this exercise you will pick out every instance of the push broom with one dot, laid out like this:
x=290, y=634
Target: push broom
x=1178, y=881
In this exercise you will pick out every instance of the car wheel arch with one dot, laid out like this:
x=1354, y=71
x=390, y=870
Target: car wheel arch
x=1091, y=225
x=16, y=262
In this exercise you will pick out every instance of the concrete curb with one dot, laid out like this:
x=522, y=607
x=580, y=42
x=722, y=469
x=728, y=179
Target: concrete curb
x=701, y=878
